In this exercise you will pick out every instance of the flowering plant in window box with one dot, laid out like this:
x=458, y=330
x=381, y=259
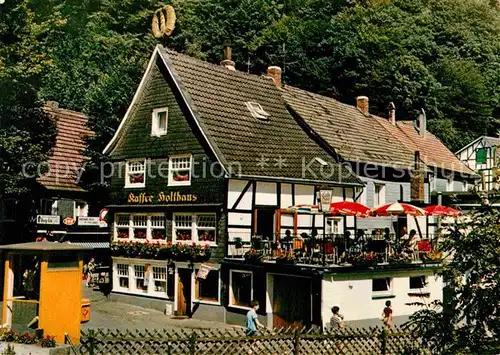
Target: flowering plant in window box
x=183, y=235
x=158, y=234
x=207, y=236
x=140, y=234
x=136, y=179
x=180, y=177
x=363, y=259
x=253, y=256
x=122, y=233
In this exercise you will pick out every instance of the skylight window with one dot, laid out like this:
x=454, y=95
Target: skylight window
x=257, y=111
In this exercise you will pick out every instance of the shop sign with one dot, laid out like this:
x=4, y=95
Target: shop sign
x=203, y=271
x=162, y=197
x=48, y=219
x=88, y=221
x=69, y=221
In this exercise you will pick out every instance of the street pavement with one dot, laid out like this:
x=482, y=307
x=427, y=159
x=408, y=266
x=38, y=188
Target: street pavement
x=108, y=314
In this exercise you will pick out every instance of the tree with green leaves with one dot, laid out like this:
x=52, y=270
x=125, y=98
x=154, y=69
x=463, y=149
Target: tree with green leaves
x=26, y=133
x=468, y=322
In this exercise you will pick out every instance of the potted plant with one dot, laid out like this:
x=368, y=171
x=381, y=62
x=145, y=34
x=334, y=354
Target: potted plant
x=363, y=259
x=399, y=259
x=257, y=243
x=253, y=256
x=433, y=257
x=238, y=243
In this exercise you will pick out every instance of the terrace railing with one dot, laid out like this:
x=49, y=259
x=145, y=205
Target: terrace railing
x=335, y=249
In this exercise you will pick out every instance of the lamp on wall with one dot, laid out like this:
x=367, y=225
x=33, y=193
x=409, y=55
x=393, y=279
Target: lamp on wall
x=324, y=197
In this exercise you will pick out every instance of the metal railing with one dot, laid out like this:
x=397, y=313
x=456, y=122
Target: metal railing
x=334, y=249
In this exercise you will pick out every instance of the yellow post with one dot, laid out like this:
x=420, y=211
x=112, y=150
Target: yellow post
x=8, y=290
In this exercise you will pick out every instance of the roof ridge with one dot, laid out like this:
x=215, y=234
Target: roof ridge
x=215, y=66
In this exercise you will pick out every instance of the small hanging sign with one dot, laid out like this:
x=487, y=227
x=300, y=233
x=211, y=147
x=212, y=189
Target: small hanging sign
x=203, y=271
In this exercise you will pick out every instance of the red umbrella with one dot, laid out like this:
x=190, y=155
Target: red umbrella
x=440, y=210
x=397, y=208
x=348, y=208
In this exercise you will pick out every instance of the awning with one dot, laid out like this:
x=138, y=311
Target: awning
x=93, y=245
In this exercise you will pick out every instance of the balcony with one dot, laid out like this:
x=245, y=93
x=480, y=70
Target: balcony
x=336, y=250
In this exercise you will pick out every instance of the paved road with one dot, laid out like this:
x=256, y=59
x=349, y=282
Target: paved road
x=116, y=315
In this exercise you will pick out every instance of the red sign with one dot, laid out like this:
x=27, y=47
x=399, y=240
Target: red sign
x=69, y=221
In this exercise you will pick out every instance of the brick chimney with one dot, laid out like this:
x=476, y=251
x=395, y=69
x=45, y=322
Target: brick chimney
x=392, y=113
x=274, y=72
x=227, y=62
x=362, y=104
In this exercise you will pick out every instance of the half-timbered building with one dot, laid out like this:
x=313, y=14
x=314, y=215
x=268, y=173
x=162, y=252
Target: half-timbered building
x=483, y=156
x=206, y=155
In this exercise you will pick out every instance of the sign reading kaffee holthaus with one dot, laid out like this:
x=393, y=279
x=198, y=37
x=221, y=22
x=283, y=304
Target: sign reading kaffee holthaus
x=161, y=197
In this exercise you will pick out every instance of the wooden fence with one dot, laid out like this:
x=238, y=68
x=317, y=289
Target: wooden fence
x=233, y=341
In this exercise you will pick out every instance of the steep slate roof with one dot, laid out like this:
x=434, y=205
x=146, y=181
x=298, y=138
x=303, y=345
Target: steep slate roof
x=216, y=96
x=372, y=139
x=356, y=137
x=432, y=151
x=67, y=154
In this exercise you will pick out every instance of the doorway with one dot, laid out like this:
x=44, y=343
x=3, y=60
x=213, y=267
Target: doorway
x=264, y=223
x=291, y=301
x=184, y=292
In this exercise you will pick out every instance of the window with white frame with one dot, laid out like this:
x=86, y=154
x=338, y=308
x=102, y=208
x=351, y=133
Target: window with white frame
x=382, y=287
x=122, y=226
x=333, y=225
x=195, y=227
x=240, y=288
x=140, y=279
x=207, y=289
x=158, y=227
x=159, y=121
x=179, y=170
x=123, y=277
x=379, y=195
x=135, y=173
x=160, y=280
x=156, y=279
x=140, y=226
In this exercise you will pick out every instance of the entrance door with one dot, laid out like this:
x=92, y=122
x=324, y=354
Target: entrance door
x=184, y=292
x=291, y=301
x=265, y=223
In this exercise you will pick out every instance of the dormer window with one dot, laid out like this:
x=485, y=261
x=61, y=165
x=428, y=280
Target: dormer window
x=257, y=111
x=159, y=121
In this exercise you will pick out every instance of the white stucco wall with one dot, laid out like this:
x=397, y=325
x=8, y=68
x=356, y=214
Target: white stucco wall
x=354, y=296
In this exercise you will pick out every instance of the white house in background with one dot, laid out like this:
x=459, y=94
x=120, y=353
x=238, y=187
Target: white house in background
x=483, y=156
